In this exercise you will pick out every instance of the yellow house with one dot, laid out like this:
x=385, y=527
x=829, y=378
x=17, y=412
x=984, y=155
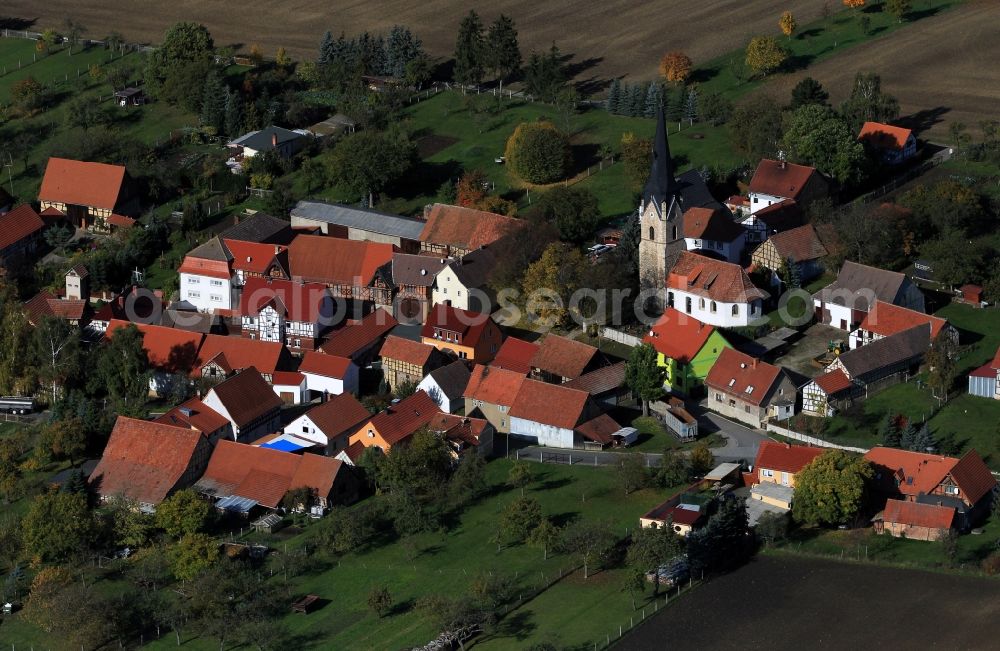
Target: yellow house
x=397, y=422
x=778, y=463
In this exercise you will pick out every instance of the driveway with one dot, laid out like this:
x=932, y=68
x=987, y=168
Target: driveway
x=741, y=441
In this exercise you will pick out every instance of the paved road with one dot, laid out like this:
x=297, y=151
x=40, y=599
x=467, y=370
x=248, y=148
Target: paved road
x=741, y=445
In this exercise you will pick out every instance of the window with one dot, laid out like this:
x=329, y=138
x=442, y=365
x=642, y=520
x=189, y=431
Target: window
x=701, y=304
x=459, y=292
x=298, y=343
x=687, y=304
x=194, y=294
x=217, y=283
x=749, y=389
x=652, y=234
x=216, y=298
x=746, y=408
x=444, y=290
x=767, y=473
x=951, y=490
x=718, y=397
x=371, y=434
x=736, y=310
x=732, y=382
x=192, y=281
x=305, y=429
x=713, y=307
x=756, y=200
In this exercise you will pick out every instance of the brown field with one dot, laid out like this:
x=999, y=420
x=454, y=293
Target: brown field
x=944, y=69
x=610, y=38
x=791, y=603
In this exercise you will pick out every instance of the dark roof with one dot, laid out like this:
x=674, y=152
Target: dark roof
x=800, y=244
x=363, y=219
x=264, y=140
x=339, y=414
x=474, y=269
x=887, y=351
x=416, y=270
x=407, y=351
x=18, y=224
x=781, y=216
x=600, y=429
x=452, y=378
x=357, y=336
x=662, y=185
x=214, y=249
x=260, y=228
x=862, y=281
x=711, y=224
x=600, y=381
x=246, y=396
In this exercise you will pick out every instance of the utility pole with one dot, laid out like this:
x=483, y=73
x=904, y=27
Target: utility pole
x=10, y=175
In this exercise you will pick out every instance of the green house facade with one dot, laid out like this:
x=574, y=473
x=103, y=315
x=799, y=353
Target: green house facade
x=687, y=349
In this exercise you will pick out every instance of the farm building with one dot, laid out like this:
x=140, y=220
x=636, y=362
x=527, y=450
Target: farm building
x=775, y=181
x=749, y=390
x=885, y=361
x=88, y=193
x=914, y=521
x=892, y=145
x=359, y=224
x=886, y=319
x=845, y=302
x=825, y=394
x=799, y=246
x=985, y=380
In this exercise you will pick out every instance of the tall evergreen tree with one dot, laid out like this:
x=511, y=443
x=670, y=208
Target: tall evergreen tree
x=924, y=440
x=234, y=114
x=401, y=48
x=503, y=55
x=213, y=103
x=636, y=101
x=614, y=95
x=326, y=49
x=654, y=99
x=691, y=106
x=544, y=77
x=808, y=91
x=908, y=436
x=888, y=431
x=470, y=50
x=673, y=108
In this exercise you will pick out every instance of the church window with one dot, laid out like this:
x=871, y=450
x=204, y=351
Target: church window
x=713, y=307
x=674, y=236
x=736, y=310
x=687, y=304
x=652, y=235
x=701, y=304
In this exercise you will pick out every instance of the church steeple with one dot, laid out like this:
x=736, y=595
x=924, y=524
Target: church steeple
x=661, y=186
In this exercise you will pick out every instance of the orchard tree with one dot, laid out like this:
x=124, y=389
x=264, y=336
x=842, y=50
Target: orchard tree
x=868, y=103
x=538, y=152
x=519, y=475
x=675, y=67
x=631, y=471
x=367, y=162
x=652, y=547
x=787, y=23
x=192, y=554
x=380, y=600
x=808, y=91
x=764, y=54
x=470, y=50
x=573, y=210
x=898, y=9
x=519, y=518
x=942, y=369
x=637, y=155
x=545, y=535
x=854, y=4
x=27, y=94
x=819, y=137
x=589, y=541
x=503, y=55
x=644, y=375
x=755, y=127
x=830, y=489
x=56, y=526
x=123, y=370
x=184, y=512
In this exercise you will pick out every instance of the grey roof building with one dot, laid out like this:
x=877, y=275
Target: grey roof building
x=359, y=224
x=883, y=357
x=260, y=228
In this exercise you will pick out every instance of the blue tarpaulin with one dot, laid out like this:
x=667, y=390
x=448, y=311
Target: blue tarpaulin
x=236, y=504
x=283, y=445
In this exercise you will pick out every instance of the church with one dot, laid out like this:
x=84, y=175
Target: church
x=666, y=200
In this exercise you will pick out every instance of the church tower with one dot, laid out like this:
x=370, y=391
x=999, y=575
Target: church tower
x=660, y=215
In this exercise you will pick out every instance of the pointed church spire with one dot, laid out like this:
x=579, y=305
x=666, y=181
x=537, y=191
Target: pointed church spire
x=661, y=185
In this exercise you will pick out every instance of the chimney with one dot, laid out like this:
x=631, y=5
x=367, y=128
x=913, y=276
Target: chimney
x=277, y=249
x=274, y=139
x=325, y=397
x=754, y=362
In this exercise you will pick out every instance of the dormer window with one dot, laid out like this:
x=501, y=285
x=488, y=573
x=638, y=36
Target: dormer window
x=732, y=382
x=749, y=390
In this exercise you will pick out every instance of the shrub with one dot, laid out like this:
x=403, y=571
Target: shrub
x=538, y=152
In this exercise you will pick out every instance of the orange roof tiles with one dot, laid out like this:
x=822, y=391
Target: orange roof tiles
x=784, y=457
x=255, y=257
x=887, y=319
x=739, y=374
x=920, y=474
x=339, y=414
x=833, y=382
x=120, y=221
x=915, y=514
x=18, y=224
x=330, y=260
x=169, y=349
x=357, y=336
x=401, y=420
x=406, y=351
x=82, y=183
x=195, y=414
x=780, y=179
x=719, y=281
x=563, y=357
x=710, y=224
x=678, y=336
x=801, y=244
x=884, y=136
x=241, y=353
x=550, y=404
x=302, y=302
x=515, y=354
x=466, y=228
x=323, y=364
x=496, y=386
x=144, y=460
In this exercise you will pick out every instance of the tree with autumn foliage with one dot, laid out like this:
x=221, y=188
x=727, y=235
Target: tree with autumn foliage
x=787, y=23
x=765, y=54
x=471, y=189
x=854, y=4
x=675, y=67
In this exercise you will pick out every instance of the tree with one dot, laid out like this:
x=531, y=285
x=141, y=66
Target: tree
x=808, y=91
x=234, y=115
x=123, y=370
x=544, y=76
x=652, y=547
x=327, y=49
x=184, y=512
x=867, y=102
x=756, y=128
x=573, y=210
x=631, y=471
x=58, y=237
x=470, y=191
x=27, y=94
x=957, y=131
x=56, y=526
x=691, y=106
x=503, y=55
x=74, y=32
x=282, y=59
x=129, y=526
x=41, y=608
x=723, y=543
x=468, y=482
x=380, y=600
x=942, y=369
x=402, y=48
x=519, y=475
x=588, y=540
x=830, y=489
x=924, y=441
x=64, y=439
x=787, y=23
x=191, y=555
x=215, y=97
x=634, y=584
x=367, y=162
x=418, y=469
x=675, y=469
x=55, y=347
x=538, y=152
x=898, y=9
x=519, y=518
x=470, y=50
x=715, y=109
x=772, y=527
x=819, y=137
x=702, y=460
x=675, y=67
x=637, y=154
x=765, y=54
x=888, y=431
x=186, y=41
x=908, y=436
x=614, y=96
x=654, y=99
x=644, y=375
x=854, y=4
x=545, y=536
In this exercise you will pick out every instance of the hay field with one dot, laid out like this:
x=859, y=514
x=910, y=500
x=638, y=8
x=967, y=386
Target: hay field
x=618, y=37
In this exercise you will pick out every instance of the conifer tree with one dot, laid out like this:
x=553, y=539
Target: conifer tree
x=326, y=49
x=469, y=50
x=654, y=98
x=234, y=114
x=637, y=101
x=614, y=96
x=908, y=436
x=691, y=106
x=213, y=103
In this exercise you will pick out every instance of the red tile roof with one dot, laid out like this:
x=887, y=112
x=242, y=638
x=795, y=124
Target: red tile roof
x=255, y=257
x=716, y=280
x=458, y=428
x=887, y=319
x=326, y=365
x=82, y=183
x=740, y=374
x=466, y=228
x=710, y=224
x=515, y=354
x=301, y=302
x=549, y=404
x=469, y=326
x=833, y=382
x=599, y=429
x=918, y=473
x=18, y=224
x=241, y=353
x=403, y=419
x=287, y=378
x=338, y=415
x=801, y=244
x=45, y=304
x=246, y=396
x=884, y=136
x=495, y=386
x=563, y=357
x=678, y=336
x=144, y=460
x=354, y=337
x=169, y=349
x=120, y=221
x=195, y=414
x=781, y=216
x=915, y=514
x=330, y=260
x=780, y=179
x=202, y=267
x=354, y=451
x=784, y=457
x=406, y=351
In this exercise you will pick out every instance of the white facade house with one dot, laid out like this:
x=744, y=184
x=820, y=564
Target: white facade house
x=715, y=232
x=248, y=402
x=290, y=387
x=463, y=283
x=717, y=313
x=546, y=435
x=206, y=277
x=731, y=251
x=714, y=292
x=446, y=385
x=777, y=180
x=329, y=374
